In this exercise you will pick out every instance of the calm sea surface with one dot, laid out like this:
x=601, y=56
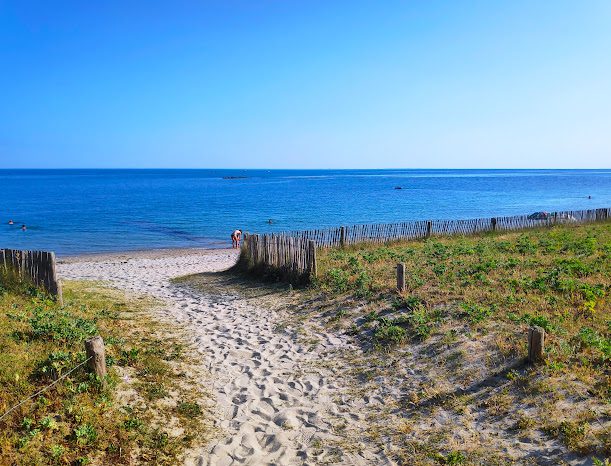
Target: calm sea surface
x=77, y=211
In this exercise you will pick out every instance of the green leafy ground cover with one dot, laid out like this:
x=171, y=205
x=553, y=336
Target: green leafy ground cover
x=559, y=279
x=149, y=412
x=461, y=326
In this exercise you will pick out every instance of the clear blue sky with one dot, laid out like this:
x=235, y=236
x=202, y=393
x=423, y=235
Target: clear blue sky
x=305, y=84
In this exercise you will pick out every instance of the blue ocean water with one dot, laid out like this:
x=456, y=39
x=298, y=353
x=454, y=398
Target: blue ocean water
x=81, y=211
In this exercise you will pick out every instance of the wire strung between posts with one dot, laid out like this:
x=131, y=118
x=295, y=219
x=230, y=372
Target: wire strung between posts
x=45, y=388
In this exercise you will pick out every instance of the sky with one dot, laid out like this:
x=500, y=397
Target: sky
x=305, y=84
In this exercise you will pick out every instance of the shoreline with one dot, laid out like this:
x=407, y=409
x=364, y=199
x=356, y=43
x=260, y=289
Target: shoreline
x=157, y=253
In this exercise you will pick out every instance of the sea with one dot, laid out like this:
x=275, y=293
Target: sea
x=92, y=211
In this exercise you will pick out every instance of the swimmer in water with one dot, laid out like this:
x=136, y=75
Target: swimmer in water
x=10, y=222
x=23, y=228
x=235, y=239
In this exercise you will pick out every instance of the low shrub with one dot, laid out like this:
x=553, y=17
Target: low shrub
x=189, y=409
x=477, y=312
x=389, y=334
x=61, y=326
x=592, y=339
x=338, y=279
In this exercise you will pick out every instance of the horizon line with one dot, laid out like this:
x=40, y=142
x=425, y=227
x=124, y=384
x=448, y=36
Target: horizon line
x=297, y=169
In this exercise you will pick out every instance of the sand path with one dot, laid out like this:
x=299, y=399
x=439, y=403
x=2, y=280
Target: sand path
x=277, y=404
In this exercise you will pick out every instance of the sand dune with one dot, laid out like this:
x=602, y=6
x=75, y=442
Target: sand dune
x=276, y=403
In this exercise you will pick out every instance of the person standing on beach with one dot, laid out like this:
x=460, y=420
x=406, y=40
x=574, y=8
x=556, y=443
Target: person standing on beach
x=235, y=239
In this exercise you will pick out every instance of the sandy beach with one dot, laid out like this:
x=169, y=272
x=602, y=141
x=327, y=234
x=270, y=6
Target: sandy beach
x=276, y=404
x=305, y=233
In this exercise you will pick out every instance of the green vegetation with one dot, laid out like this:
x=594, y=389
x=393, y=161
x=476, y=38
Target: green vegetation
x=461, y=324
x=79, y=421
x=557, y=278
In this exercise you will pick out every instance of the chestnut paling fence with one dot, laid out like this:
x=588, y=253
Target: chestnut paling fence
x=37, y=267
x=292, y=259
x=292, y=255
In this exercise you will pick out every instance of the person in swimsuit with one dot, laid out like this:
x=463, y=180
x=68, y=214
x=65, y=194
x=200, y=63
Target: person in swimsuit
x=23, y=228
x=10, y=222
x=235, y=239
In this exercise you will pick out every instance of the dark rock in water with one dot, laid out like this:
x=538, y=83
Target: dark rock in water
x=538, y=216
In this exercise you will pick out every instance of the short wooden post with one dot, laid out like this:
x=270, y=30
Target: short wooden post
x=94, y=347
x=536, y=344
x=429, y=228
x=493, y=223
x=55, y=284
x=313, y=265
x=342, y=237
x=401, y=277
x=59, y=293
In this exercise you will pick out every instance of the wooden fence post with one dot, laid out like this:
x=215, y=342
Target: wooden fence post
x=493, y=223
x=401, y=277
x=342, y=237
x=55, y=285
x=536, y=344
x=429, y=228
x=94, y=347
x=59, y=293
x=313, y=265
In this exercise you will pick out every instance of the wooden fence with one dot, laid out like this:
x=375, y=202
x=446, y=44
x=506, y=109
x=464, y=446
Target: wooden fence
x=381, y=233
x=36, y=266
x=292, y=255
x=290, y=259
